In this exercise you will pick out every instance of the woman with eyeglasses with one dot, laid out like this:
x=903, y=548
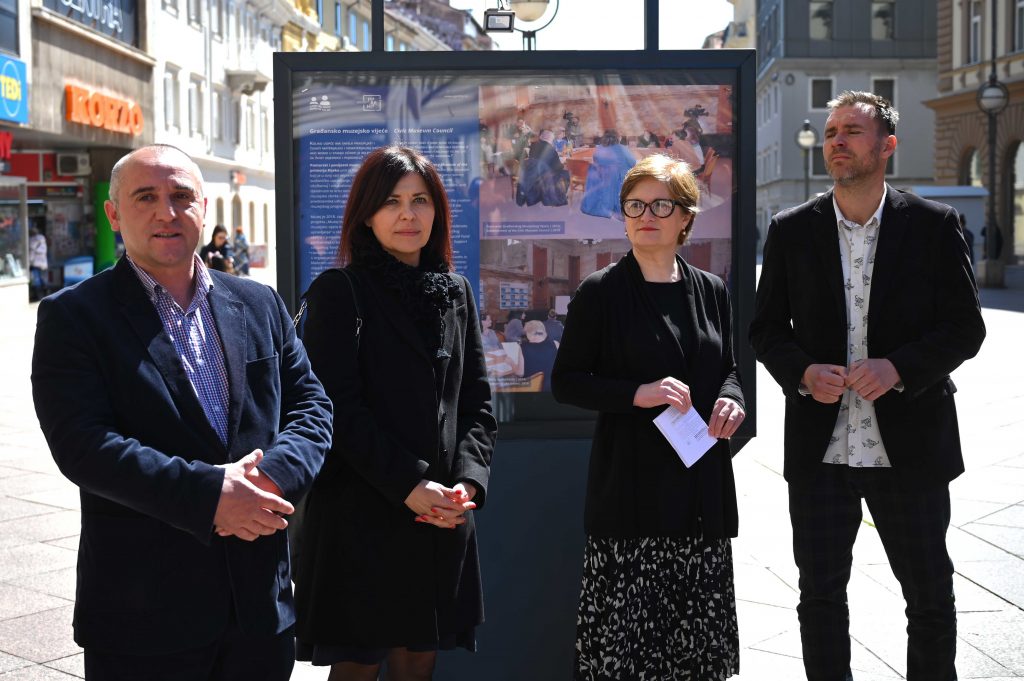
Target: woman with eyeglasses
x=648, y=333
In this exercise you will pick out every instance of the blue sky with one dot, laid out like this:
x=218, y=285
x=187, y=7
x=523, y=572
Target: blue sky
x=615, y=24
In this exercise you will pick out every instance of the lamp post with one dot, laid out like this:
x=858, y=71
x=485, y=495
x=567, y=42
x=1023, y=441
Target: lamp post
x=992, y=99
x=532, y=10
x=806, y=138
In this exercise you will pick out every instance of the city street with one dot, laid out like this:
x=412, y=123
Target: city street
x=39, y=525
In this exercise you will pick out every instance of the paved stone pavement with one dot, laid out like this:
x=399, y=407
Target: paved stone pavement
x=39, y=528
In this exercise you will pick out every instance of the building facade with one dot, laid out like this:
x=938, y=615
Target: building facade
x=409, y=26
x=84, y=79
x=741, y=31
x=811, y=50
x=214, y=99
x=961, y=129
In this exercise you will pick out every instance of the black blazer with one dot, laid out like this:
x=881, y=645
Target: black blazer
x=614, y=341
x=923, y=316
x=369, y=575
x=124, y=424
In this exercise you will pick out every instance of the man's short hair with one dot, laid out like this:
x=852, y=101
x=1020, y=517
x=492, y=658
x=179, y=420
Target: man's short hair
x=882, y=109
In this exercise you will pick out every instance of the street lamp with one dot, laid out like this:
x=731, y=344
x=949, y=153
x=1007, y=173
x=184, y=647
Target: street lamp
x=532, y=10
x=992, y=99
x=806, y=138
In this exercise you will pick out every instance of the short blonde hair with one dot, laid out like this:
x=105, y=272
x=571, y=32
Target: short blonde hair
x=675, y=175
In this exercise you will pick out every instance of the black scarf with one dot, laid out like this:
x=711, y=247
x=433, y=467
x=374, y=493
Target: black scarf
x=426, y=292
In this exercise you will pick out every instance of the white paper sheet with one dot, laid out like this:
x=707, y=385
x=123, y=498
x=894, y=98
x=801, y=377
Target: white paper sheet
x=687, y=433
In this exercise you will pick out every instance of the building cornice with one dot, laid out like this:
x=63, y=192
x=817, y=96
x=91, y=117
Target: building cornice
x=966, y=101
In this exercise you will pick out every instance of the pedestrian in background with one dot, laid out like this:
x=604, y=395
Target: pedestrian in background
x=389, y=571
x=240, y=249
x=190, y=431
x=650, y=332
x=38, y=264
x=866, y=303
x=217, y=248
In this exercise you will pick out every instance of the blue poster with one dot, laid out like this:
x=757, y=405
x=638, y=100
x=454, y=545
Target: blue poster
x=338, y=125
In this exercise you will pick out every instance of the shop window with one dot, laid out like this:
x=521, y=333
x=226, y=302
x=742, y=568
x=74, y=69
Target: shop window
x=338, y=23
x=366, y=35
x=353, y=28
x=13, y=230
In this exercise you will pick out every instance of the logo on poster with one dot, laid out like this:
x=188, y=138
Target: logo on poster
x=372, y=103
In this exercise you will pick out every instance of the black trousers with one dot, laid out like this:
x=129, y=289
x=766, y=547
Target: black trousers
x=912, y=523
x=237, y=656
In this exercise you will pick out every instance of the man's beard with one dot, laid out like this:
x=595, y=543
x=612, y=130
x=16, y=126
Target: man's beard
x=856, y=169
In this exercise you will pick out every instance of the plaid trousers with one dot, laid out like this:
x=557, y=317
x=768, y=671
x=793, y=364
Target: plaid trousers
x=911, y=522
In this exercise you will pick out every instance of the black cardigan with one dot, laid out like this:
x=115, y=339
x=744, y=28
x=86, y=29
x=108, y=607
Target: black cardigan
x=614, y=341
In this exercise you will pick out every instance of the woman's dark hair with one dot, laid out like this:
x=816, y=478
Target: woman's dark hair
x=374, y=181
x=610, y=138
x=219, y=229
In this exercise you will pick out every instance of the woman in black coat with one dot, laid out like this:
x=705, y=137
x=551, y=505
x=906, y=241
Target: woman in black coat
x=651, y=332
x=217, y=254
x=389, y=567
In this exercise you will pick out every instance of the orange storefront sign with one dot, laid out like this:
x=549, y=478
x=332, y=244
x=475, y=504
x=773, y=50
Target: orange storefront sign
x=102, y=111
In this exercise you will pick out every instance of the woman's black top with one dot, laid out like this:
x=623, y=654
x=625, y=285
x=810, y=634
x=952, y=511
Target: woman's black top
x=618, y=336
x=668, y=301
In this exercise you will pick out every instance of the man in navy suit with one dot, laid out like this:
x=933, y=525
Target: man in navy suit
x=866, y=303
x=180, y=402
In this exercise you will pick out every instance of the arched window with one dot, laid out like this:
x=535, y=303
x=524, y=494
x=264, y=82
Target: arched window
x=970, y=169
x=252, y=221
x=266, y=223
x=220, y=211
x=1017, y=170
x=236, y=213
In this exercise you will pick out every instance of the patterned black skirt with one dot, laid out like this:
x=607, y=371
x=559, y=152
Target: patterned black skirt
x=657, y=608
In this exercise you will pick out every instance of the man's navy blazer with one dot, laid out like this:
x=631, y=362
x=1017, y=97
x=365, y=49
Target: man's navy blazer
x=923, y=316
x=124, y=423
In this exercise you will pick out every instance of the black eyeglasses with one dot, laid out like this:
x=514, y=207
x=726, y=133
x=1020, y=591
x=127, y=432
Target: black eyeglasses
x=660, y=208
